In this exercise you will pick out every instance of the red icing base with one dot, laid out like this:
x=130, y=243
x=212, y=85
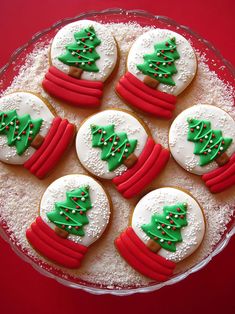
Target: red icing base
x=221, y=178
x=61, y=251
x=56, y=142
x=150, y=163
x=145, y=98
x=80, y=93
x=136, y=253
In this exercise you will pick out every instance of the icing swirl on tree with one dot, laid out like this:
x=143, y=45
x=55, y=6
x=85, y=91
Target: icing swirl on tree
x=209, y=144
x=20, y=131
x=160, y=64
x=116, y=147
x=164, y=229
x=70, y=215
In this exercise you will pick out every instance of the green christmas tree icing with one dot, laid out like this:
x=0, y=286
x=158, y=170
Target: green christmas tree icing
x=164, y=229
x=160, y=65
x=115, y=146
x=209, y=144
x=82, y=53
x=19, y=130
x=70, y=215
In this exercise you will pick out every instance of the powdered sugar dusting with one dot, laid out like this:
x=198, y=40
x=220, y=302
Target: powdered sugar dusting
x=20, y=192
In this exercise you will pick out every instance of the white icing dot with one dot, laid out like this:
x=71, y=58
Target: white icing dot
x=167, y=217
x=150, y=65
x=158, y=54
x=69, y=227
x=73, y=53
x=104, y=132
x=84, y=50
x=176, y=216
x=126, y=150
x=91, y=38
x=211, y=141
x=164, y=63
x=105, y=143
x=209, y=150
x=30, y=132
x=83, y=199
x=160, y=75
x=115, y=143
x=159, y=227
x=11, y=123
x=3, y=123
x=221, y=148
x=206, y=136
x=113, y=154
x=73, y=211
x=161, y=240
x=17, y=127
x=198, y=127
x=61, y=213
x=18, y=138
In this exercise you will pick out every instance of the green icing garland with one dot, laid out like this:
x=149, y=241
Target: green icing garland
x=82, y=53
x=209, y=144
x=164, y=228
x=115, y=146
x=70, y=215
x=160, y=64
x=20, y=131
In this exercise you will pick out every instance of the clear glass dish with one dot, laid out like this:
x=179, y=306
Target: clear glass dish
x=215, y=62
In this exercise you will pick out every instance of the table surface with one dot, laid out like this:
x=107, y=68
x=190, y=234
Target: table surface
x=22, y=289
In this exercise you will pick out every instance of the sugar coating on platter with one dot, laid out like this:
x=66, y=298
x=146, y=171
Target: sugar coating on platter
x=153, y=203
x=104, y=266
x=186, y=64
x=107, y=49
x=183, y=150
x=98, y=215
x=90, y=156
x=24, y=103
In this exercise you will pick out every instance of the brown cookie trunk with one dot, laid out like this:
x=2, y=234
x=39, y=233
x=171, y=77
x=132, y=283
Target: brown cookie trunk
x=37, y=141
x=153, y=246
x=61, y=233
x=130, y=160
x=151, y=82
x=222, y=159
x=75, y=72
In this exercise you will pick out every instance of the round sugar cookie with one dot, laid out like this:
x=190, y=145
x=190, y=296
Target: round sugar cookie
x=87, y=45
x=166, y=56
x=200, y=138
x=74, y=212
x=30, y=134
x=167, y=226
x=115, y=144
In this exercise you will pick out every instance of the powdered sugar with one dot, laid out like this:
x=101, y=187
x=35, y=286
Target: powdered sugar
x=20, y=192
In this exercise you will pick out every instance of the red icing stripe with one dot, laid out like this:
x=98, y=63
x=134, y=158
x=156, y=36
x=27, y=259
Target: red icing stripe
x=54, y=244
x=149, y=175
x=141, y=159
x=57, y=153
x=69, y=96
x=145, y=259
x=91, y=84
x=161, y=260
x=136, y=263
x=50, y=148
x=148, y=164
x=73, y=87
x=141, y=104
x=151, y=91
x=221, y=178
x=54, y=126
x=70, y=244
x=146, y=97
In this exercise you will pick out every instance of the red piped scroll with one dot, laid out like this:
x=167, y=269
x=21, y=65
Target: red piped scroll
x=56, y=142
x=136, y=253
x=150, y=163
x=221, y=178
x=80, y=93
x=145, y=98
x=61, y=251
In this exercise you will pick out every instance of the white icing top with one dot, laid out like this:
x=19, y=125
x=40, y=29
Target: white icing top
x=186, y=65
x=182, y=149
x=23, y=103
x=107, y=49
x=90, y=157
x=192, y=234
x=98, y=215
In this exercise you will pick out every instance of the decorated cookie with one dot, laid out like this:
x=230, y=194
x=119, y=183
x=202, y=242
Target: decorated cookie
x=116, y=145
x=160, y=65
x=74, y=212
x=83, y=55
x=167, y=226
x=202, y=141
x=30, y=134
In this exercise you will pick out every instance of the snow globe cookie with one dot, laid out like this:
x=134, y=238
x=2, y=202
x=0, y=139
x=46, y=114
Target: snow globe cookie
x=160, y=65
x=202, y=141
x=30, y=134
x=116, y=145
x=167, y=226
x=83, y=55
x=74, y=213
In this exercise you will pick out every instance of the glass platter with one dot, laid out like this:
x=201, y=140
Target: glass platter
x=216, y=63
